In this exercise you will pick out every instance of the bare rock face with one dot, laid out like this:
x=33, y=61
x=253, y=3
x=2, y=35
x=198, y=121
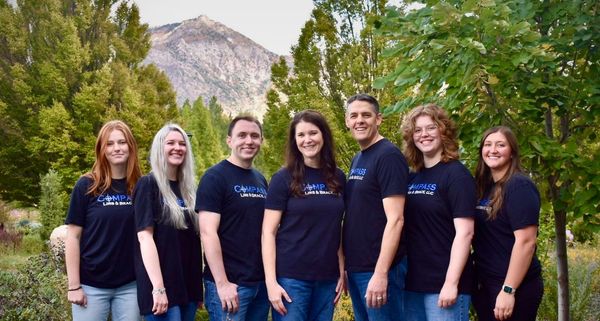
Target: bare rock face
x=205, y=58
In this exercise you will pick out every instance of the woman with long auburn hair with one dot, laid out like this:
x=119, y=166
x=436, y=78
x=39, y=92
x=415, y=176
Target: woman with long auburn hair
x=439, y=216
x=100, y=232
x=302, y=253
x=168, y=260
x=510, y=285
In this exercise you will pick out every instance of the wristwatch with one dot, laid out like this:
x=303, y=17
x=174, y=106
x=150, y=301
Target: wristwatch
x=508, y=289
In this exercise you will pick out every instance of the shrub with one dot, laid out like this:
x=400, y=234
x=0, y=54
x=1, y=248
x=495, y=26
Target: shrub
x=32, y=244
x=53, y=203
x=35, y=291
x=9, y=240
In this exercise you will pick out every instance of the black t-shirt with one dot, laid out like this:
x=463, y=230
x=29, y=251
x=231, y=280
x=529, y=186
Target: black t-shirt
x=108, y=234
x=238, y=195
x=309, y=233
x=179, y=251
x=436, y=196
x=494, y=239
x=377, y=172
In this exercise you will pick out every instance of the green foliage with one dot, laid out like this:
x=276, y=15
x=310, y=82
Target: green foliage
x=32, y=244
x=53, y=203
x=35, y=291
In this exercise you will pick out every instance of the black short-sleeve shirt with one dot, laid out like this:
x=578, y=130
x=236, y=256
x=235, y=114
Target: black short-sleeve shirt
x=108, y=234
x=309, y=233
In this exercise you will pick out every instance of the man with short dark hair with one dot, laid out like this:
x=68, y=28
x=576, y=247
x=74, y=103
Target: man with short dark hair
x=231, y=202
x=375, y=195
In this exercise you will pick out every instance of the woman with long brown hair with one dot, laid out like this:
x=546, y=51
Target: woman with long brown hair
x=302, y=255
x=506, y=225
x=101, y=234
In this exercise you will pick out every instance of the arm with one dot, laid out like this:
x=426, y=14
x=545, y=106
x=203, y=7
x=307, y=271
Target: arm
x=227, y=291
x=377, y=288
x=72, y=260
x=269, y=231
x=461, y=246
x=520, y=260
x=341, y=284
x=152, y=266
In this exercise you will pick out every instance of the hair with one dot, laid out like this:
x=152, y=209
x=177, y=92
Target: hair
x=447, y=134
x=295, y=161
x=174, y=213
x=366, y=98
x=249, y=118
x=483, y=174
x=101, y=173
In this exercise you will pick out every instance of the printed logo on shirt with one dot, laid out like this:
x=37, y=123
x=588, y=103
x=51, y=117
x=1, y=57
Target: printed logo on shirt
x=484, y=205
x=114, y=199
x=422, y=189
x=250, y=191
x=316, y=189
x=357, y=174
x=180, y=202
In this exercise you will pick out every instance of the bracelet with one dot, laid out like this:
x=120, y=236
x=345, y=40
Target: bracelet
x=75, y=289
x=158, y=291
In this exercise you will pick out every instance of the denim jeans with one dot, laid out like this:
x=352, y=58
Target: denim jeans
x=184, y=312
x=424, y=307
x=254, y=303
x=311, y=300
x=121, y=302
x=393, y=310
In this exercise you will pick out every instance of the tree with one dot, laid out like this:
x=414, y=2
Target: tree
x=53, y=203
x=532, y=66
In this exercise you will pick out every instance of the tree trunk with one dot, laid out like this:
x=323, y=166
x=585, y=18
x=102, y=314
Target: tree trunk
x=560, y=224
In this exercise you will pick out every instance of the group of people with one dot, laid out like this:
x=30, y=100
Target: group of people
x=420, y=244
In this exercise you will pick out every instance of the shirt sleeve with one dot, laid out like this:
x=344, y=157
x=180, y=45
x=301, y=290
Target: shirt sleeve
x=392, y=175
x=210, y=194
x=145, y=197
x=462, y=195
x=279, y=192
x=522, y=204
x=79, y=203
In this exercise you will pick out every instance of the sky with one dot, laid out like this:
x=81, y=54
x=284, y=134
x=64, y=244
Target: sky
x=274, y=24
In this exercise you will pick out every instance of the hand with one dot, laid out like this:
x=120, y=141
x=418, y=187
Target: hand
x=275, y=293
x=77, y=297
x=339, y=288
x=448, y=295
x=228, y=295
x=505, y=304
x=161, y=303
x=376, y=295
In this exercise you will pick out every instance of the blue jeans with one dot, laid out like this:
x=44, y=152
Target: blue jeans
x=311, y=300
x=393, y=310
x=121, y=302
x=424, y=307
x=184, y=312
x=254, y=303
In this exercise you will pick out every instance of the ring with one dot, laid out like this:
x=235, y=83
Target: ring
x=379, y=298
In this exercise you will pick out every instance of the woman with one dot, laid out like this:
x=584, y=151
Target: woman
x=439, y=214
x=302, y=225
x=100, y=231
x=168, y=265
x=508, y=271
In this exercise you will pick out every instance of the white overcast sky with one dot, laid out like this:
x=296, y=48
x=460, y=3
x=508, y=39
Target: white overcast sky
x=274, y=24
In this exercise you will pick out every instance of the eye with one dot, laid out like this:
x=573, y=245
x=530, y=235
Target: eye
x=255, y=136
x=110, y=143
x=431, y=128
x=418, y=130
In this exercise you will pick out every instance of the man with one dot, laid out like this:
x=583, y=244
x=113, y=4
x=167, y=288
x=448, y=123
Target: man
x=375, y=194
x=231, y=203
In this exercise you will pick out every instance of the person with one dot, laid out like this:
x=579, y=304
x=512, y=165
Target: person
x=506, y=225
x=169, y=257
x=301, y=239
x=375, y=193
x=100, y=231
x=231, y=203
x=439, y=219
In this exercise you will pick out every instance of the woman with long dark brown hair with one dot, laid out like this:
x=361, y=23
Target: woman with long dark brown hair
x=101, y=234
x=301, y=248
x=506, y=226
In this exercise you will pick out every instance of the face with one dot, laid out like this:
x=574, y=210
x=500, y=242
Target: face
x=363, y=122
x=117, y=150
x=245, y=140
x=175, y=148
x=496, y=152
x=426, y=136
x=309, y=140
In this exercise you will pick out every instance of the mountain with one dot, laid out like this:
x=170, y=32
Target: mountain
x=205, y=58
